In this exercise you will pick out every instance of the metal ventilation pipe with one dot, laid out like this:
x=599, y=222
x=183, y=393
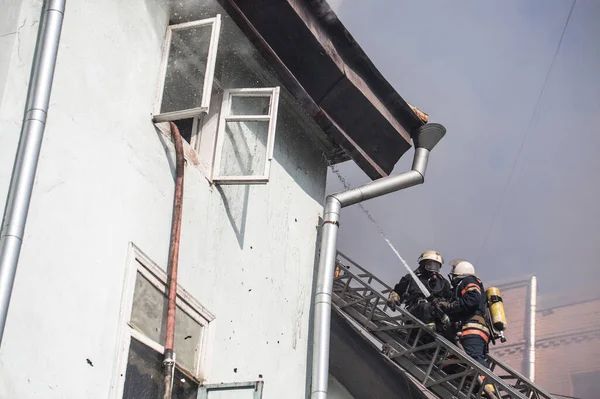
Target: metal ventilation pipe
x=424, y=140
x=28, y=152
x=531, y=332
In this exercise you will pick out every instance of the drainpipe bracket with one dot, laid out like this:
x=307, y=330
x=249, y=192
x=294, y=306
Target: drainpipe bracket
x=333, y=222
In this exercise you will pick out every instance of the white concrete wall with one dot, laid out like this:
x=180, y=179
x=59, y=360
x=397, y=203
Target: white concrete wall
x=337, y=390
x=104, y=180
x=10, y=33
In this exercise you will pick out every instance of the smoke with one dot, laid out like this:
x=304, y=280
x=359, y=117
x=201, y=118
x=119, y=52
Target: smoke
x=335, y=5
x=486, y=99
x=479, y=70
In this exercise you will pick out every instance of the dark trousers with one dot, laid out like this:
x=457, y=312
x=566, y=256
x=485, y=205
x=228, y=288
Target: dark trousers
x=475, y=346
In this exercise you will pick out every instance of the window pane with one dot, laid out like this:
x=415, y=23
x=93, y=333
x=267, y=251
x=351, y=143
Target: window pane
x=184, y=387
x=242, y=105
x=187, y=340
x=144, y=378
x=149, y=312
x=186, y=67
x=149, y=315
x=244, y=148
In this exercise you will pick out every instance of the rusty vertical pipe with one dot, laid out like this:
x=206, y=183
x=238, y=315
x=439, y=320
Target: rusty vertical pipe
x=169, y=358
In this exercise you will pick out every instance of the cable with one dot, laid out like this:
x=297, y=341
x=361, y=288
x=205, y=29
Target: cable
x=524, y=138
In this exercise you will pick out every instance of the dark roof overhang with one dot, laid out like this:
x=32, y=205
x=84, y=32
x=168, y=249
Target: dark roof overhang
x=330, y=75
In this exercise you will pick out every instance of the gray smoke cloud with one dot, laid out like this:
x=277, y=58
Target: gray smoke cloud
x=513, y=187
x=480, y=71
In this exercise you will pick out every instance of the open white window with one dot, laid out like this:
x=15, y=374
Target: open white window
x=246, y=136
x=187, y=70
x=139, y=372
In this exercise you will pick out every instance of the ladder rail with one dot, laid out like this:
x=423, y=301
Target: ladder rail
x=520, y=378
x=421, y=329
x=356, y=298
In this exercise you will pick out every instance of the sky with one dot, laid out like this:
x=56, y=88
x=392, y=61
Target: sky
x=514, y=186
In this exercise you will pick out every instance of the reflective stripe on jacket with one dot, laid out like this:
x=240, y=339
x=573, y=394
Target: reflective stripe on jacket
x=470, y=307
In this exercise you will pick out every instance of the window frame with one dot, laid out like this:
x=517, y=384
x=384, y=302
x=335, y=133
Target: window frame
x=208, y=76
x=204, y=390
x=225, y=116
x=137, y=261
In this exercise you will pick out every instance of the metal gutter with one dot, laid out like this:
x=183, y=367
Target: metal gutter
x=28, y=151
x=426, y=137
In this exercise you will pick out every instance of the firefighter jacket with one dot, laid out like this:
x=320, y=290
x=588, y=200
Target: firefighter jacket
x=415, y=301
x=410, y=293
x=468, y=308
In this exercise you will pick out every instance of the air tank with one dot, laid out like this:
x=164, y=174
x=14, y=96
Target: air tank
x=494, y=301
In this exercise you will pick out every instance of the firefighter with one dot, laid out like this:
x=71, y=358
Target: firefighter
x=467, y=310
x=408, y=292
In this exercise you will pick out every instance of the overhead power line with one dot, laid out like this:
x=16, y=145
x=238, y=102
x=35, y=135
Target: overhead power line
x=524, y=137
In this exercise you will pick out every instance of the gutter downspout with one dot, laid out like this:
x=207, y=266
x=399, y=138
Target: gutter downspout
x=425, y=139
x=531, y=335
x=169, y=359
x=28, y=151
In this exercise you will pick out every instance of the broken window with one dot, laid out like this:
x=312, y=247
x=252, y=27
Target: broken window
x=187, y=69
x=246, y=136
x=141, y=369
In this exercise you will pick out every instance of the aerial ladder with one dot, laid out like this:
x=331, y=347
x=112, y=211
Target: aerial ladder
x=361, y=298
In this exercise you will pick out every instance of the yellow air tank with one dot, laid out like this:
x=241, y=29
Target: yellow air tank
x=496, y=307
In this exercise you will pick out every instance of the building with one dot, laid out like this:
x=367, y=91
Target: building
x=557, y=341
x=267, y=94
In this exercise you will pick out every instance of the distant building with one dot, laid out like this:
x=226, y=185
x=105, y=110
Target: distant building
x=566, y=356
x=267, y=94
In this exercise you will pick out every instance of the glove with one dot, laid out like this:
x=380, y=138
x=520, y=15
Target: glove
x=443, y=305
x=393, y=300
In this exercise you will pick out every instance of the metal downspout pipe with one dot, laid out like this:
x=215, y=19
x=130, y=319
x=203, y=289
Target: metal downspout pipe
x=531, y=335
x=425, y=139
x=28, y=151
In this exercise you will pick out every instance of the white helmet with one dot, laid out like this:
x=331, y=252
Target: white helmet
x=431, y=255
x=431, y=261
x=461, y=268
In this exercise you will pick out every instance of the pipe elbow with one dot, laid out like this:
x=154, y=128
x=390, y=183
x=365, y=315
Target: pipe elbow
x=421, y=177
x=420, y=162
x=418, y=177
x=344, y=198
x=332, y=199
